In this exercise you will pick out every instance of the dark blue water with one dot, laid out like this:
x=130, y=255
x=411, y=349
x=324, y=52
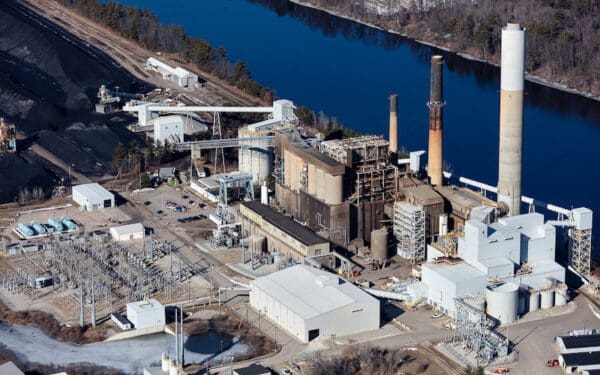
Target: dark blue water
x=348, y=70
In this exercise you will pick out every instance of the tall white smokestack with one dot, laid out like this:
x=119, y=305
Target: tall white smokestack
x=511, y=117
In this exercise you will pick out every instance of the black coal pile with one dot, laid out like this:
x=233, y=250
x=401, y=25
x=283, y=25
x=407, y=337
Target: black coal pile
x=48, y=84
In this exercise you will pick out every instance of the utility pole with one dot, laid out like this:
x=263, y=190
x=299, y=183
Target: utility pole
x=81, y=322
x=182, y=338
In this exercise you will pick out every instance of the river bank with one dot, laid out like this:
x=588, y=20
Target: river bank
x=432, y=42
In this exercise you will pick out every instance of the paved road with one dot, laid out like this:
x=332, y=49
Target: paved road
x=535, y=340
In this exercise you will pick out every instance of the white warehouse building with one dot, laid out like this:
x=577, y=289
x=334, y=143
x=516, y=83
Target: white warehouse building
x=511, y=262
x=146, y=314
x=93, y=197
x=128, y=232
x=169, y=129
x=181, y=77
x=310, y=303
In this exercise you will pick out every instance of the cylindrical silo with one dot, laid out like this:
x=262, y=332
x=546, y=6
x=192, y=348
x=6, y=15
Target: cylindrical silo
x=379, y=242
x=255, y=156
x=534, y=300
x=561, y=296
x=547, y=298
x=503, y=302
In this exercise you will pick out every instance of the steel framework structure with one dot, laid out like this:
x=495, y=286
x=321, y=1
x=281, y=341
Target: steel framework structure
x=580, y=245
x=409, y=229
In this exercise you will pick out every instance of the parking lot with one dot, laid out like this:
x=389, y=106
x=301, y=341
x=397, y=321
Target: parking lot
x=176, y=206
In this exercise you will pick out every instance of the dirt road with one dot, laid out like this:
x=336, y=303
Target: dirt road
x=132, y=57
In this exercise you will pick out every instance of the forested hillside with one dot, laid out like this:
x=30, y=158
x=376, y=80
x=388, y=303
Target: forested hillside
x=145, y=28
x=563, y=36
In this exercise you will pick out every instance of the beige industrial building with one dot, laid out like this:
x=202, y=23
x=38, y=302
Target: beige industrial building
x=339, y=188
x=309, y=303
x=282, y=234
x=315, y=173
x=129, y=232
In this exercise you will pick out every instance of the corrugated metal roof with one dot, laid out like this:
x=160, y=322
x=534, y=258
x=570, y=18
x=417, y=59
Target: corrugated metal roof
x=581, y=359
x=286, y=224
x=299, y=289
x=93, y=190
x=583, y=341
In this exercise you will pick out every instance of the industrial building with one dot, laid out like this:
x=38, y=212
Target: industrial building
x=510, y=261
x=169, y=129
x=580, y=352
x=146, y=314
x=181, y=77
x=93, y=197
x=129, y=232
x=8, y=137
x=309, y=303
x=273, y=232
x=338, y=187
x=207, y=188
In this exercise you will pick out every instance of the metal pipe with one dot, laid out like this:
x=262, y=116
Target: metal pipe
x=511, y=117
x=435, y=104
x=394, y=123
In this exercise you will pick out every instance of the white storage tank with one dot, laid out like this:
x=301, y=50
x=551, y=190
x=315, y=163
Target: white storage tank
x=503, y=302
x=561, y=296
x=534, y=300
x=255, y=156
x=547, y=298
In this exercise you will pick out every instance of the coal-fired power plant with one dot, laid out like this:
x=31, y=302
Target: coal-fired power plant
x=511, y=117
x=394, y=123
x=435, y=104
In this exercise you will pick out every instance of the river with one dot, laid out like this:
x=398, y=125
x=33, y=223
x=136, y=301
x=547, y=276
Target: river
x=348, y=70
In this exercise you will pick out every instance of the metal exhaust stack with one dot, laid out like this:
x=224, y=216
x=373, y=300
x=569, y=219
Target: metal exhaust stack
x=511, y=117
x=394, y=123
x=435, y=104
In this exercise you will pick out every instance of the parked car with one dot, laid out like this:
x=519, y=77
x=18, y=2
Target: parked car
x=437, y=315
x=147, y=203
